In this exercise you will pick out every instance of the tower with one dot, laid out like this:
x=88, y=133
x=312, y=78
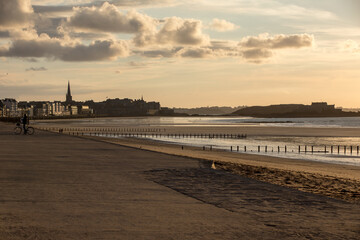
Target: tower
x=68, y=95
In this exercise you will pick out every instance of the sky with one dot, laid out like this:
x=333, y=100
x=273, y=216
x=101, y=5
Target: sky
x=182, y=53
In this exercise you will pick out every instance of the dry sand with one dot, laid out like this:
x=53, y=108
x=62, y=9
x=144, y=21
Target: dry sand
x=334, y=180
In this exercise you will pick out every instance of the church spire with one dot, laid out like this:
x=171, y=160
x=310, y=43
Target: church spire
x=69, y=92
x=68, y=95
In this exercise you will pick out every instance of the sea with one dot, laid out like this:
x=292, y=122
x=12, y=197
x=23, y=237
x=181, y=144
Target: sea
x=339, y=150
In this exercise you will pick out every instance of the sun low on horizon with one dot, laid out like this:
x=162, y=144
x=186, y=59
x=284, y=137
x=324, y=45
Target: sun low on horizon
x=182, y=53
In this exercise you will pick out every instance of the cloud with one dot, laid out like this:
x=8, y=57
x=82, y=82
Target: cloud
x=108, y=18
x=182, y=32
x=52, y=48
x=17, y=33
x=52, y=9
x=48, y=25
x=4, y=34
x=278, y=41
x=198, y=53
x=211, y=51
x=257, y=48
x=351, y=46
x=174, y=32
x=30, y=60
x=254, y=49
x=256, y=54
x=160, y=53
x=221, y=25
x=15, y=13
x=34, y=69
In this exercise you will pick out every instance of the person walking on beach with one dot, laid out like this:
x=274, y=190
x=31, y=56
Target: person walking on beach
x=24, y=121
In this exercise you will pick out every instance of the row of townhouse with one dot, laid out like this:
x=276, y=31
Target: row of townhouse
x=9, y=107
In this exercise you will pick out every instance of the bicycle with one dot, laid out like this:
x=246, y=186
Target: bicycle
x=28, y=130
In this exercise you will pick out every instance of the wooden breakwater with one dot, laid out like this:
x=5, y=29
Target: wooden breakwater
x=139, y=132
x=161, y=133
x=333, y=149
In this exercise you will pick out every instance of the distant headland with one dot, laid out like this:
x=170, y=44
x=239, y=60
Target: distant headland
x=316, y=109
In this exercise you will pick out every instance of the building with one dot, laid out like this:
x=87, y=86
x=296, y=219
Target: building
x=85, y=110
x=74, y=110
x=2, y=109
x=56, y=108
x=26, y=108
x=69, y=100
x=10, y=107
x=321, y=107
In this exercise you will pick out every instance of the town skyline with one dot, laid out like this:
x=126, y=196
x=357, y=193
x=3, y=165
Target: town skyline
x=69, y=98
x=182, y=53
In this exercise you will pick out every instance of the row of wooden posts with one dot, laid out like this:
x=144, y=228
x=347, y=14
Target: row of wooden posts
x=58, y=129
x=155, y=135
x=301, y=149
x=265, y=149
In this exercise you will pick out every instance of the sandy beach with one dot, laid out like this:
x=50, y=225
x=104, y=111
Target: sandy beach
x=334, y=180
x=56, y=186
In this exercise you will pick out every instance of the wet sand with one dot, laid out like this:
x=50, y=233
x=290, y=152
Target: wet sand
x=55, y=186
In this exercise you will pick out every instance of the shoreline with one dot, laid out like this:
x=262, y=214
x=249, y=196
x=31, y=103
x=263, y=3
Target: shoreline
x=332, y=180
x=253, y=130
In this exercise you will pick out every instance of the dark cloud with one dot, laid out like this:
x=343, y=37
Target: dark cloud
x=52, y=9
x=34, y=69
x=107, y=18
x=256, y=54
x=99, y=50
x=88, y=35
x=48, y=26
x=256, y=49
x=198, y=53
x=15, y=13
x=4, y=34
x=30, y=59
x=159, y=53
x=278, y=41
x=54, y=49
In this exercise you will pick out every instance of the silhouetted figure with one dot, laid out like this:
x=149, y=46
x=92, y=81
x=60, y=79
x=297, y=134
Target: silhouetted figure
x=24, y=121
